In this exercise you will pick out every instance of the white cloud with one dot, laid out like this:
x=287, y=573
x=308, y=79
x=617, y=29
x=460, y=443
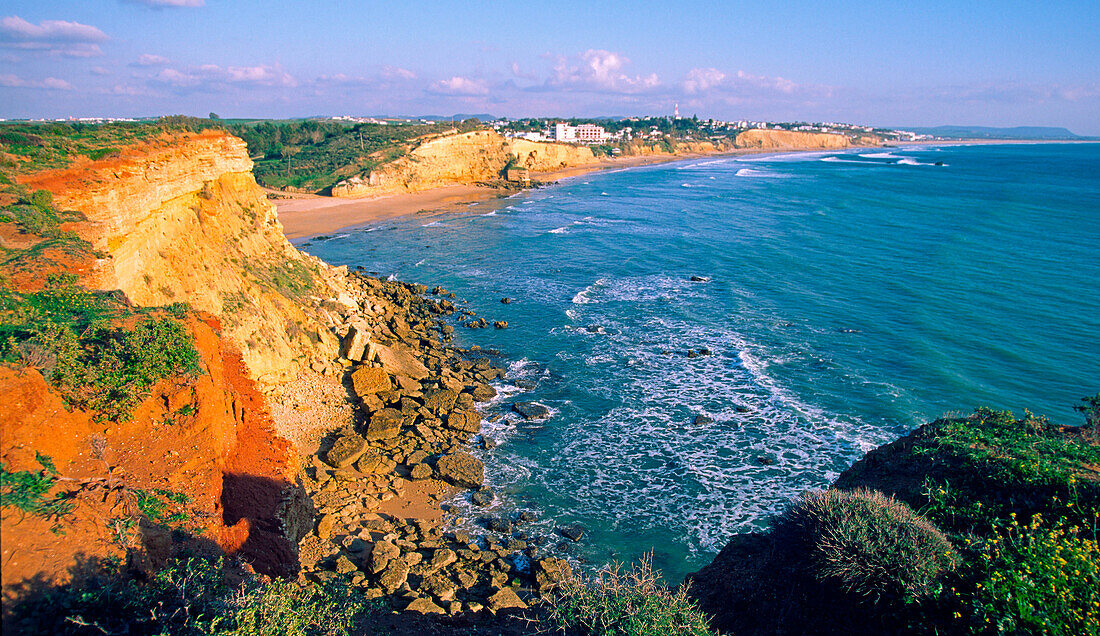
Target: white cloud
x=396, y=72
x=600, y=70
x=214, y=78
x=49, y=83
x=700, y=80
x=459, y=86
x=71, y=39
x=147, y=59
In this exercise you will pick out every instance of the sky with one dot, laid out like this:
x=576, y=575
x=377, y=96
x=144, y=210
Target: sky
x=884, y=63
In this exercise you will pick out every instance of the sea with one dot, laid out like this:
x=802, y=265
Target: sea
x=714, y=336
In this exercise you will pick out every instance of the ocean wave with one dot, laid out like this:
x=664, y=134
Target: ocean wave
x=879, y=155
x=753, y=172
x=560, y=230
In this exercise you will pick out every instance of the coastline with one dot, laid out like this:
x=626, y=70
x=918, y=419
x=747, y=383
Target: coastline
x=305, y=216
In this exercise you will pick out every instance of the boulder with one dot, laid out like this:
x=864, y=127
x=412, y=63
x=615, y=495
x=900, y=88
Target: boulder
x=424, y=606
x=483, y=497
x=531, y=410
x=440, y=401
x=466, y=421
x=394, y=575
x=354, y=346
x=397, y=360
x=420, y=471
x=461, y=469
x=549, y=572
x=505, y=599
x=346, y=450
x=384, y=424
x=381, y=554
x=702, y=419
x=572, y=532
x=439, y=586
x=367, y=381
x=483, y=392
x=442, y=558
x=370, y=461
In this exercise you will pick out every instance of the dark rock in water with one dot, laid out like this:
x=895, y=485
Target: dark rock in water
x=939, y=163
x=742, y=409
x=703, y=351
x=497, y=524
x=531, y=410
x=483, y=497
x=594, y=328
x=500, y=324
x=572, y=532
x=765, y=460
x=526, y=516
x=700, y=279
x=525, y=383
x=691, y=354
x=506, y=300
x=702, y=419
x=487, y=443
x=438, y=291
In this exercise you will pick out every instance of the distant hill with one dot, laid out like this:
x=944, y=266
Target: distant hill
x=985, y=132
x=456, y=117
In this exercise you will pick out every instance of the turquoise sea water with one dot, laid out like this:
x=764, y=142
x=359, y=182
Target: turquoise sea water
x=851, y=297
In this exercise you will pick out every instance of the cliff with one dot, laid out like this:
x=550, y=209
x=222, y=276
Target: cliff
x=207, y=439
x=480, y=156
x=786, y=139
x=185, y=221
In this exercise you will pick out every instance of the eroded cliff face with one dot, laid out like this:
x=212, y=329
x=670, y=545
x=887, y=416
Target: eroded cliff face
x=208, y=438
x=786, y=139
x=185, y=221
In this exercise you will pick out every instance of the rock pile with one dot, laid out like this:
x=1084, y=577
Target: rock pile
x=416, y=398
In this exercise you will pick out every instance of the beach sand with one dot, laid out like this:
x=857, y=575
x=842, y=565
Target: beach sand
x=309, y=215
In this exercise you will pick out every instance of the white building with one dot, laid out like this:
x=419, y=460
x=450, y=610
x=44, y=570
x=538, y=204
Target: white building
x=584, y=134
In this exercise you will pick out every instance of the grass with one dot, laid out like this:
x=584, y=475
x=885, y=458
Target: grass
x=29, y=491
x=626, y=603
x=191, y=597
x=100, y=352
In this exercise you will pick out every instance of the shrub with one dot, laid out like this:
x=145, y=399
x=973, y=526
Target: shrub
x=1037, y=579
x=869, y=545
x=189, y=597
x=102, y=354
x=626, y=603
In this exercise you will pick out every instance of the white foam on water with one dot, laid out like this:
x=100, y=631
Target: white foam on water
x=493, y=213
x=604, y=194
x=420, y=262
x=432, y=224
x=686, y=185
x=879, y=155
x=571, y=314
x=560, y=230
x=584, y=296
x=753, y=172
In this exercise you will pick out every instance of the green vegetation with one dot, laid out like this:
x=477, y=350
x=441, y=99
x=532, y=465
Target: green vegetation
x=98, y=350
x=314, y=154
x=1035, y=579
x=865, y=543
x=34, y=212
x=631, y=603
x=30, y=491
x=984, y=468
x=192, y=597
x=28, y=147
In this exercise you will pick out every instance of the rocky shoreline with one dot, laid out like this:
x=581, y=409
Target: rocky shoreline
x=416, y=419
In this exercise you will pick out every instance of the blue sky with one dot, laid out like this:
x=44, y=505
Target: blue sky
x=883, y=63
